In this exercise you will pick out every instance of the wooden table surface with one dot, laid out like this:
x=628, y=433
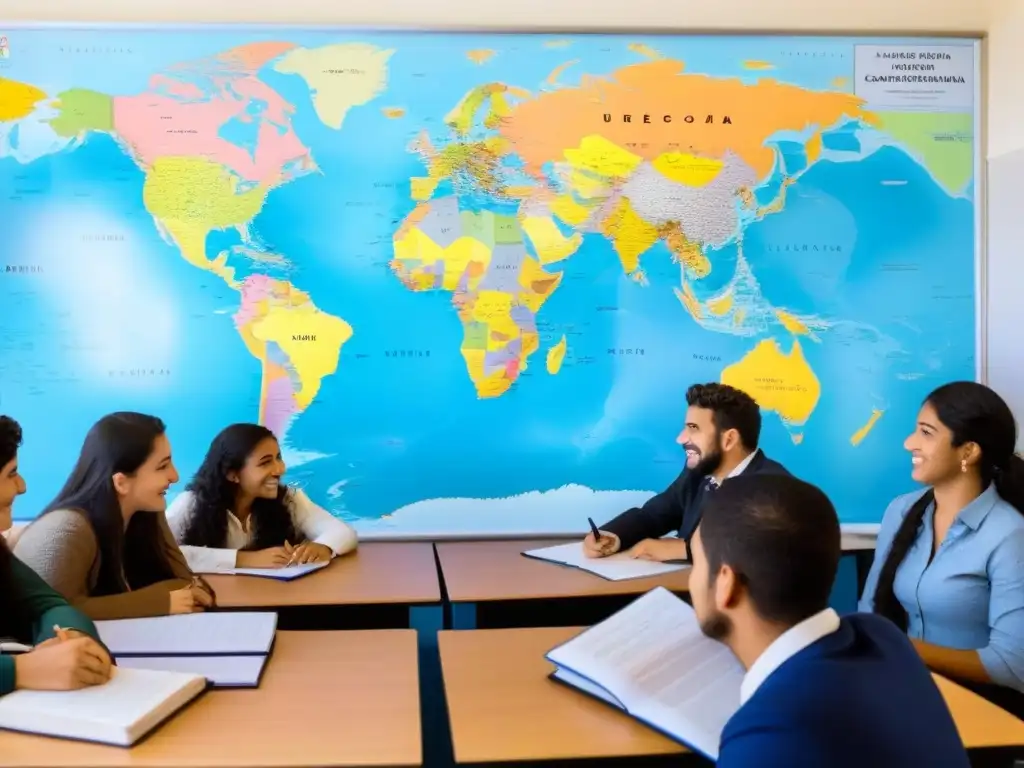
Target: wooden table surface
x=326, y=699
x=503, y=707
x=481, y=571
x=376, y=573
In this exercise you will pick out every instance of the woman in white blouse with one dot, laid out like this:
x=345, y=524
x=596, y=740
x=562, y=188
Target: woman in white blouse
x=236, y=512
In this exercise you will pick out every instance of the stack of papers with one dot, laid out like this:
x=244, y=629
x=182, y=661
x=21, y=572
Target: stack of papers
x=617, y=567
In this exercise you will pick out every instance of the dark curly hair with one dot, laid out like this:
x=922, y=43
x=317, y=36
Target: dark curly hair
x=10, y=613
x=214, y=494
x=731, y=408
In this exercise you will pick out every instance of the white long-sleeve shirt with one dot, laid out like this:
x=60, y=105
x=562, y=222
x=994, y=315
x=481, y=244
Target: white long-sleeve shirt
x=310, y=521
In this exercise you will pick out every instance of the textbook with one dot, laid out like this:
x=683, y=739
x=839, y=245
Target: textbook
x=230, y=649
x=652, y=661
x=221, y=671
x=285, y=573
x=617, y=567
x=120, y=712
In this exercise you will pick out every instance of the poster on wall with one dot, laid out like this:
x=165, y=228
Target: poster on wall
x=466, y=279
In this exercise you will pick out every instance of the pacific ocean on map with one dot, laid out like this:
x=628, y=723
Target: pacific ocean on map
x=464, y=290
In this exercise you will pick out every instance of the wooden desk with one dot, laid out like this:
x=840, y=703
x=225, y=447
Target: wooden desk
x=376, y=573
x=481, y=571
x=326, y=699
x=502, y=707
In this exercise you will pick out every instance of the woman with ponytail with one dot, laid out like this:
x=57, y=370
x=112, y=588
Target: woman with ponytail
x=949, y=564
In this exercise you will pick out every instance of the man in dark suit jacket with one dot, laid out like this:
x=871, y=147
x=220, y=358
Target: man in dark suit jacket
x=723, y=425
x=819, y=690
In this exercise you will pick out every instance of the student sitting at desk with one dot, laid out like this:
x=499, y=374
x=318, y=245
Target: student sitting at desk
x=949, y=564
x=236, y=512
x=66, y=655
x=723, y=426
x=104, y=543
x=818, y=690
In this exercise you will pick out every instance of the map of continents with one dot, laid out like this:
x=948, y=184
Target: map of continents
x=467, y=279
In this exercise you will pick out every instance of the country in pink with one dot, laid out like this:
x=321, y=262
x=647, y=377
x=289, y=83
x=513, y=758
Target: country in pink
x=278, y=406
x=172, y=119
x=255, y=289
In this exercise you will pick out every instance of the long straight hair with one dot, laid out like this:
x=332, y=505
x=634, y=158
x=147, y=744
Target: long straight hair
x=132, y=557
x=214, y=495
x=974, y=414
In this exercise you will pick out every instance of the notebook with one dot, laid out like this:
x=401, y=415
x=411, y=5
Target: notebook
x=228, y=633
x=230, y=649
x=120, y=712
x=617, y=567
x=221, y=671
x=287, y=573
x=652, y=661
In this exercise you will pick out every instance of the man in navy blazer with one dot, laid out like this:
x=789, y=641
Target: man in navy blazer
x=819, y=690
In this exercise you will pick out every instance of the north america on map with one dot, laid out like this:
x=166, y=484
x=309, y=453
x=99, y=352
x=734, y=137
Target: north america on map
x=466, y=279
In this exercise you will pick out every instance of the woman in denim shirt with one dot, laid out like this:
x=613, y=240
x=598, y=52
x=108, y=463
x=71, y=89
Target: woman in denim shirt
x=949, y=564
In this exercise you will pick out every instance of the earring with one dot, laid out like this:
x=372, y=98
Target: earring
x=963, y=465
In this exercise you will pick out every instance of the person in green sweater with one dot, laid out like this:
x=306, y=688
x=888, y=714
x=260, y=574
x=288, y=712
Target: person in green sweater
x=66, y=655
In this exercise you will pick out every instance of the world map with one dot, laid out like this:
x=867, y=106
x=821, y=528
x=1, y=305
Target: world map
x=467, y=278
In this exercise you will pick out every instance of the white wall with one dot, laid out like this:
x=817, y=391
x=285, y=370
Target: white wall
x=1002, y=20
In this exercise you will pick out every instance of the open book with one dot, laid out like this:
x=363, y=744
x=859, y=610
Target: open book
x=120, y=712
x=230, y=648
x=652, y=661
x=617, y=567
x=285, y=573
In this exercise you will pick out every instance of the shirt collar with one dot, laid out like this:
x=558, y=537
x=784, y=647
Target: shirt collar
x=787, y=645
x=975, y=513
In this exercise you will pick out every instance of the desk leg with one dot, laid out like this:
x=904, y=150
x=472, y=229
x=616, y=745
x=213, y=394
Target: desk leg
x=463, y=615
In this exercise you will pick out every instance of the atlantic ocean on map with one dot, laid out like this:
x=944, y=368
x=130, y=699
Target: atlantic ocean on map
x=467, y=279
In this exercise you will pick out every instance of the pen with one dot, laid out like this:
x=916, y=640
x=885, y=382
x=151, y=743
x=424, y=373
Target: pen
x=593, y=529
x=59, y=632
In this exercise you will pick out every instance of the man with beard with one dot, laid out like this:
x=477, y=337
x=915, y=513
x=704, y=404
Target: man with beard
x=723, y=425
x=818, y=690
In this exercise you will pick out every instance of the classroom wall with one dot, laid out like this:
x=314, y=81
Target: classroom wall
x=1002, y=20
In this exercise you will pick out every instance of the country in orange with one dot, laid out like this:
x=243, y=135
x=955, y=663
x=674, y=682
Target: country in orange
x=656, y=107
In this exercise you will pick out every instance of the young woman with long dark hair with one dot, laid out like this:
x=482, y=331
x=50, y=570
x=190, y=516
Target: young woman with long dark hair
x=949, y=564
x=236, y=512
x=66, y=654
x=103, y=542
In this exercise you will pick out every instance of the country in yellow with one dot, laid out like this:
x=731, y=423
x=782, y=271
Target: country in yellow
x=720, y=305
x=780, y=382
x=556, y=73
x=340, y=76
x=596, y=155
x=630, y=235
x=812, y=149
x=858, y=437
x=393, y=113
x=311, y=338
x=689, y=301
x=425, y=265
x=479, y=161
x=569, y=210
x=684, y=251
x=493, y=95
x=792, y=323
x=480, y=55
x=549, y=242
x=556, y=356
x=17, y=100
x=192, y=196
x=758, y=65
x=688, y=169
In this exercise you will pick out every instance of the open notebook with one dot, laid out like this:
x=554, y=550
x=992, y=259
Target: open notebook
x=120, y=712
x=617, y=567
x=230, y=648
x=287, y=573
x=652, y=661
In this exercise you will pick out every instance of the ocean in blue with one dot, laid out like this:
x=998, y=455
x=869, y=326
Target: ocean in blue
x=102, y=313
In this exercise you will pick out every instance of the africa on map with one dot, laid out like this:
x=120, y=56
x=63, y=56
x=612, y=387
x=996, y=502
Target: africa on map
x=467, y=278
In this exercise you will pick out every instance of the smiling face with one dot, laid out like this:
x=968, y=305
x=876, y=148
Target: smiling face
x=146, y=488
x=701, y=441
x=933, y=457
x=12, y=485
x=260, y=476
